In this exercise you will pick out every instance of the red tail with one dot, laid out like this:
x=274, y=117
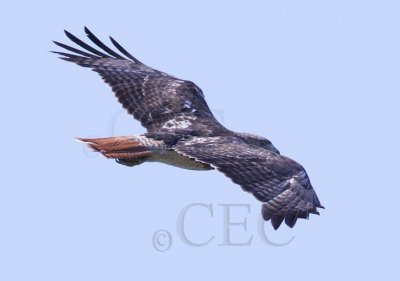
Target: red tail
x=126, y=147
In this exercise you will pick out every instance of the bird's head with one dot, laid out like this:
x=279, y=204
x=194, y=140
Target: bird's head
x=259, y=141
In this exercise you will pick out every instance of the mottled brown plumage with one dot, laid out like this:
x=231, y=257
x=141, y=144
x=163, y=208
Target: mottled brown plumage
x=182, y=131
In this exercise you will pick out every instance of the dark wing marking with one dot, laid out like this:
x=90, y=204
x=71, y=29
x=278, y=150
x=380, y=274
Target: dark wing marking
x=161, y=102
x=281, y=183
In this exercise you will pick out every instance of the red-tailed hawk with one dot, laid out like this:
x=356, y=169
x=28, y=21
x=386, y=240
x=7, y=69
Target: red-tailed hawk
x=182, y=131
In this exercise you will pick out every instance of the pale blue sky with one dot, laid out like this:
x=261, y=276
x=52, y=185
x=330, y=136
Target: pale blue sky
x=320, y=79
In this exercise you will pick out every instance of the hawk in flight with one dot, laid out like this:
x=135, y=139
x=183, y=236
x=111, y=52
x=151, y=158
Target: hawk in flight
x=182, y=131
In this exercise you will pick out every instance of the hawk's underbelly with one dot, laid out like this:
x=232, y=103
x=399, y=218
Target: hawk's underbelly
x=173, y=158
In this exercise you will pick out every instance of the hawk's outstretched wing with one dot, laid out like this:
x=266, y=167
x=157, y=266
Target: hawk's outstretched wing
x=281, y=183
x=159, y=101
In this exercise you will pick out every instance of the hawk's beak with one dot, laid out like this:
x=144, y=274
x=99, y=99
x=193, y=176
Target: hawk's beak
x=273, y=148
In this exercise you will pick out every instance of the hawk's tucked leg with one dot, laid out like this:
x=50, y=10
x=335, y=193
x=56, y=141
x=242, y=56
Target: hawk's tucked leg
x=132, y=161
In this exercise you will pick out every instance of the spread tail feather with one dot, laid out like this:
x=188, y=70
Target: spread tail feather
x=124, y=147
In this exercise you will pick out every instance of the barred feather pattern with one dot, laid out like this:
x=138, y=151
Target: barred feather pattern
x=151, y=96
x=281, y=183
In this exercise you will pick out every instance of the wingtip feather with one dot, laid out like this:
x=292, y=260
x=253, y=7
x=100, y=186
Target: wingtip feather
x=123, y=50
x=101, y=45
x=291, y=219
x=276, y=221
